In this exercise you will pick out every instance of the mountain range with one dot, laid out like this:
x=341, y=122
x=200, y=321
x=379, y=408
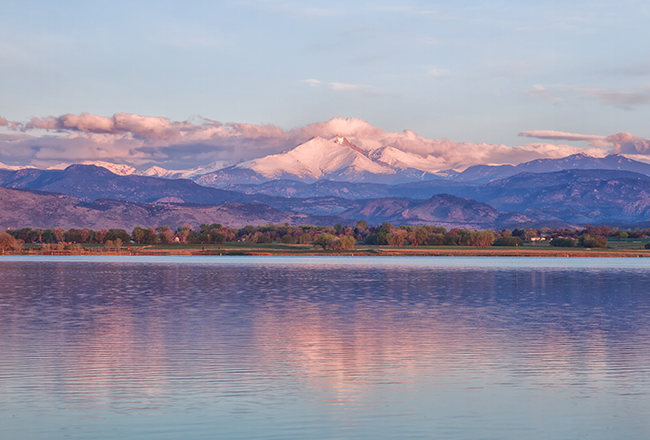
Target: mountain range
x=334, y=181
x=338, y=159
x=566, y=197
x=487, y=173
x=128, y=170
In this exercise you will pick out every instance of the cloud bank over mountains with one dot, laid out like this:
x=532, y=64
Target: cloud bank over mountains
x=142, y=141
x=620, y=143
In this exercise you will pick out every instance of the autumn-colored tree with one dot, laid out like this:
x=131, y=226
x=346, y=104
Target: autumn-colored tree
x=481, y=238
x=621, y=235
x=27, y=235
x=324, y=240
x=361, y=224
x=417, y=235
x=592, y=241
x=343, y=243
x=261, y=238
x=165, y=234
x=530, y=233
x=138, y=234
x=508, y=241
x=73, y=236
x=59, y=234
x=8, y=242
x=397, y=237
x=100, y=235
x=182, y=234
x=288, y=239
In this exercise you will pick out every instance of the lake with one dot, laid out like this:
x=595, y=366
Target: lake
x=324, y=348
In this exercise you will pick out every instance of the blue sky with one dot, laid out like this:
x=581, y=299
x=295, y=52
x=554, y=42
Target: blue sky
x=475, y=71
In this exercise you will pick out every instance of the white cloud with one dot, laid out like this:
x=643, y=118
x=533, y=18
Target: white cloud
x=541, y=92
x=625, y=100
x=137, y=140
x=343, y=87
x=312, y=82
x=299, y=9
x=563, y=136
x=438, y=73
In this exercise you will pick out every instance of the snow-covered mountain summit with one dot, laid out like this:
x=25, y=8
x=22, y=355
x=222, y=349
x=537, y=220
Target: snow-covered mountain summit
x=115, y=168
x=320, y=158
x=193, y=173
x=316, y=159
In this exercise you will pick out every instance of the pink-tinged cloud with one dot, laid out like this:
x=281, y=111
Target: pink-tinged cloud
x=144, y=140
x=10, y=124
x=622, y=143
x=625, y=143
x=146, y=127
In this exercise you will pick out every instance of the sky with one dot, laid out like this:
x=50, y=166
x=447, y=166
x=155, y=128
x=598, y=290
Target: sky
x=181, y=84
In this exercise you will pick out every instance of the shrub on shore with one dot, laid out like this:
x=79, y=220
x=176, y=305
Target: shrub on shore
x=563, y=242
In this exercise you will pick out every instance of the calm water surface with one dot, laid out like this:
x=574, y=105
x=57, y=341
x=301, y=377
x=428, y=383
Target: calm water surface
x=295, y=348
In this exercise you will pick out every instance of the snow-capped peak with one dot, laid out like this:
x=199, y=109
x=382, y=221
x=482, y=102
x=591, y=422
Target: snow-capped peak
x=14, y=167
x=156, y=171
x=341, y=140
x=316, y=159
x=119, y=169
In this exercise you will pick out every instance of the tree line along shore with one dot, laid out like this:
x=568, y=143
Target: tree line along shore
x=285, y=239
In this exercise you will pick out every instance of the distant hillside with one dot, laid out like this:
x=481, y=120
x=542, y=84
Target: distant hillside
x=89, y=182
x=320, y=188
x=350, y=190
x=576, y=196
x=24, y=208
x=442, y=210
x=487, y=173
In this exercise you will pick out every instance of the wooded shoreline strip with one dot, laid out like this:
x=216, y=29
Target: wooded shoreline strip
x=443, y=251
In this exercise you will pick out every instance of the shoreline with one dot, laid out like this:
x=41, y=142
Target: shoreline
x=441, y=251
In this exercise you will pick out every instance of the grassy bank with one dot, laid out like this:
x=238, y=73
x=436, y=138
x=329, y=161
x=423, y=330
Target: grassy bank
x=614, y=249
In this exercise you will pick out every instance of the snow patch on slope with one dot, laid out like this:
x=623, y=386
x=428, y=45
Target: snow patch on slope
x=402, y=160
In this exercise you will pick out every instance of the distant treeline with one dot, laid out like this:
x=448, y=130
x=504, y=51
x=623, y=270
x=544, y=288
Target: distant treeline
x=330, y=237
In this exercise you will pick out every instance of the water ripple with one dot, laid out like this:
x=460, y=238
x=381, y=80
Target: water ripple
x=324, y=348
